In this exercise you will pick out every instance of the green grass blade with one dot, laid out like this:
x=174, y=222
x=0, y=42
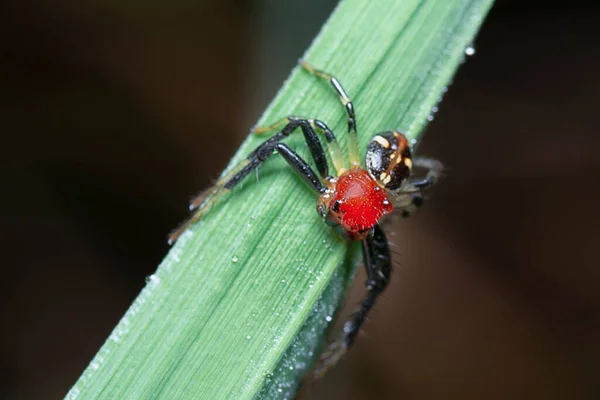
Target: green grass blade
x=239, y=305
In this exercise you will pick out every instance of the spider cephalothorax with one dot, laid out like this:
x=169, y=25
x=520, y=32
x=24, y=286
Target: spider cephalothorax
x=353, y=200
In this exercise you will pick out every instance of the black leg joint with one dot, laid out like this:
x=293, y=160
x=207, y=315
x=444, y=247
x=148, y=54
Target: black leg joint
x=351, y=117
x=315, y=147
x=311, y=138
x=301, y=167
x=329, y=136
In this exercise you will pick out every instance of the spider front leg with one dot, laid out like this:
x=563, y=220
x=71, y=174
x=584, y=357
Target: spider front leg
x=378, y=264
x=348, y=106
x=252, y=162
x=434, y=171
x=409, y=198
x=408, y=204
x=310, y=136
x=309, y=127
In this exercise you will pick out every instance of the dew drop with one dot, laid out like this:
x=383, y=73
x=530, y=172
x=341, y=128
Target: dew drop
x=153, y=279
x=248, y=337
x=300, y=365
x=470, y=50
x=328, y=318
x=234, y=259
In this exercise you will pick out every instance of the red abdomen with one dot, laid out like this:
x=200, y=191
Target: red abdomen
x=358, y=203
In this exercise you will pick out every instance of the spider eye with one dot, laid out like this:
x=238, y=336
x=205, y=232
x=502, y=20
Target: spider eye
x=388, y=159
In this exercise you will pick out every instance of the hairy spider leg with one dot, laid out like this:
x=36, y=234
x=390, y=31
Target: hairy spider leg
x=291, y=123
x=434, y=171
x=315, y=147
x=409, y=203
x=271, y=146
x=347, y=102
x=378, y=265
x=409, y=198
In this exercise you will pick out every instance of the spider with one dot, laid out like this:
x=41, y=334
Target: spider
x=353, y=201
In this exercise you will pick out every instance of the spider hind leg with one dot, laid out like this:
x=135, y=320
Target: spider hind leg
x=378, y=264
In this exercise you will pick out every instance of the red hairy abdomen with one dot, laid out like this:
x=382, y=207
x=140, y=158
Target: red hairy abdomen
x=358, y=203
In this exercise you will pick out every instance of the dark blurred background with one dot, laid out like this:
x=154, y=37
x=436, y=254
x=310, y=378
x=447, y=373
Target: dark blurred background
x=113, y=113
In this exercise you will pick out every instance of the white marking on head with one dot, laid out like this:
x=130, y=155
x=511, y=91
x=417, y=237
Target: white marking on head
x=382, y=141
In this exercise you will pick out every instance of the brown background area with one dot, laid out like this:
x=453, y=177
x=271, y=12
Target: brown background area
x=112, y=114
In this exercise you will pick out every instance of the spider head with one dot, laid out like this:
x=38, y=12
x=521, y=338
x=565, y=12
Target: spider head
x=388, y=160
x=354, y=203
